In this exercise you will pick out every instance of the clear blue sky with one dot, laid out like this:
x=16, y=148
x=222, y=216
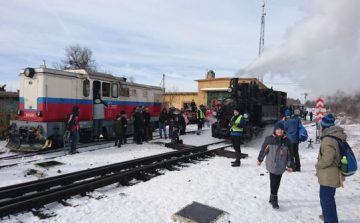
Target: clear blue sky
x=147, y=38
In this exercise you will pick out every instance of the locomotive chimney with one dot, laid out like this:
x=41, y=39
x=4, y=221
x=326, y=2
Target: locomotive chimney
x=210, y=74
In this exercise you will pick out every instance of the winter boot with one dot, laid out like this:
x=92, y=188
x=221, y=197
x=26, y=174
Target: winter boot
x=274, y=201
x=236, y=163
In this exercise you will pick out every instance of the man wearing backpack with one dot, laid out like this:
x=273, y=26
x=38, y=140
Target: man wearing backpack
x=327, y=170
x=291, y=129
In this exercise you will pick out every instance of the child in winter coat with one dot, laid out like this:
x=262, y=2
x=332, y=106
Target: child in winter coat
x=278, y=149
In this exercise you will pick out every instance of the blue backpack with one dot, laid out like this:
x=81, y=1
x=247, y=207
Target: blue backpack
x=303, y=135
x=345, y=150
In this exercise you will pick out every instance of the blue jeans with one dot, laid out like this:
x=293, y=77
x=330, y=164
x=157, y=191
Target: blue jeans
x=328, y=205
x=74, y=140
x=162, y=127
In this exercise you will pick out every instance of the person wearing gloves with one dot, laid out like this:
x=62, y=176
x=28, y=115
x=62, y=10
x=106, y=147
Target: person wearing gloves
x=236, y=124
x=279, y=157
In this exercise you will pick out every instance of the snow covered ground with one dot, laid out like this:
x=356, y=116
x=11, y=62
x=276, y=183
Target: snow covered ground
x=242, y=192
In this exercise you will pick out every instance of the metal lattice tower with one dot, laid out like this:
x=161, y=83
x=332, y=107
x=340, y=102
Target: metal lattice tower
x=262, y=29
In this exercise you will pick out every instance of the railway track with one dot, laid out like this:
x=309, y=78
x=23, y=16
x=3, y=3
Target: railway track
x=18, y=158
x=35, y=194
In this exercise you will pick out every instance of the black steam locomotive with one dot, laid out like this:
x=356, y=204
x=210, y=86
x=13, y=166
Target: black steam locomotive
x=260, y=106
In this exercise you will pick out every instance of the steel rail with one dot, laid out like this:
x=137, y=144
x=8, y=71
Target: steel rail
x=39, y=199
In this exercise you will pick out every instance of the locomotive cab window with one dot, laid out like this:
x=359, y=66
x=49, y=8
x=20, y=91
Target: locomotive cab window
x=114, y=90
x=86, y=88
x=105, y=89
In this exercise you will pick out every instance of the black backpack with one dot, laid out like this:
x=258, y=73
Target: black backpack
x=68, y=123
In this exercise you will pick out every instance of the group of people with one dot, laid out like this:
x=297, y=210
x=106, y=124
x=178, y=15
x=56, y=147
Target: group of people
x=281, y=147
x=176, y=120
x=142, y=124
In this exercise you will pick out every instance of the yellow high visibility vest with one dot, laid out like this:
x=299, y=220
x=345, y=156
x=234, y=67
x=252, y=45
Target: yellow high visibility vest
x=201, y=114
x=234, y=128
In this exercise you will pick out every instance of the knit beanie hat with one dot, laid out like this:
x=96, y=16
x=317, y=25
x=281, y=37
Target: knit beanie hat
x=287, y=112
x=327, y=121
x=279, y=125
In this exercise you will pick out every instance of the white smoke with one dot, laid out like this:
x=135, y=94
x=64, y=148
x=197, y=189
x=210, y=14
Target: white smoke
x=321, y=52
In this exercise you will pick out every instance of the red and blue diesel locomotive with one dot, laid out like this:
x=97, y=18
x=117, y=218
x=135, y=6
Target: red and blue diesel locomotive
x=48, y=95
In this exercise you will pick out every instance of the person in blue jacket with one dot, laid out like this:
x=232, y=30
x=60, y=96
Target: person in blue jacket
x=292, y=125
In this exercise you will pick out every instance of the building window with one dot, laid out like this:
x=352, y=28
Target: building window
x=114, y=90
x=105, y=89
x=86, y=88
x=145, y=94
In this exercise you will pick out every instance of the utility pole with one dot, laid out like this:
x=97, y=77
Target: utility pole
x=163, y=83
x=262, y=32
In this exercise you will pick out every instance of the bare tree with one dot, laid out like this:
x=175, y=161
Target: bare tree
x=172, y=97
x=132, y=79
x=77, y=57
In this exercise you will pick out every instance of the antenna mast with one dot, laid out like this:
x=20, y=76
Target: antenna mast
x=262, y=32
x=262, y=29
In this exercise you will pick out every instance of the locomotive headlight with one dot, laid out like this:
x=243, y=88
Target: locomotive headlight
x=214, y=113
x=39, y=113
x=29, y=72
x=229, y=89
x=246, y=115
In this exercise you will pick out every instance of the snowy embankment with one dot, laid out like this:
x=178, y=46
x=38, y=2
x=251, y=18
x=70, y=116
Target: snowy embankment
x=242, y=192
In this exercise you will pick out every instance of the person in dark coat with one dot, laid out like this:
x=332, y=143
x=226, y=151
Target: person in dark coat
x=74, y=127
x=237, y=123
x=182, y=123
x=147, y=121
x=170, y=121
x=124, y=124
x=311, y=115
x=132, y=116
x=279, y=157
x=176, y=127
x=138, y=126
x=291, y=129
x=117, y=128
x=193, y=105
x=162, y=122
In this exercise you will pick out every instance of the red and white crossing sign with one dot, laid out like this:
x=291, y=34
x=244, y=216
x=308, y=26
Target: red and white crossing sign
x=320, y=110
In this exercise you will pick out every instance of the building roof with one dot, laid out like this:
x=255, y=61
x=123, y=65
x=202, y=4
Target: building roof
x=214, y=89
x=241, y=79
x=5, y=94
x=180, y=93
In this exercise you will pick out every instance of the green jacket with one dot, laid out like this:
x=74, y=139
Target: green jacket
x=327, y=169
x=117, y=127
